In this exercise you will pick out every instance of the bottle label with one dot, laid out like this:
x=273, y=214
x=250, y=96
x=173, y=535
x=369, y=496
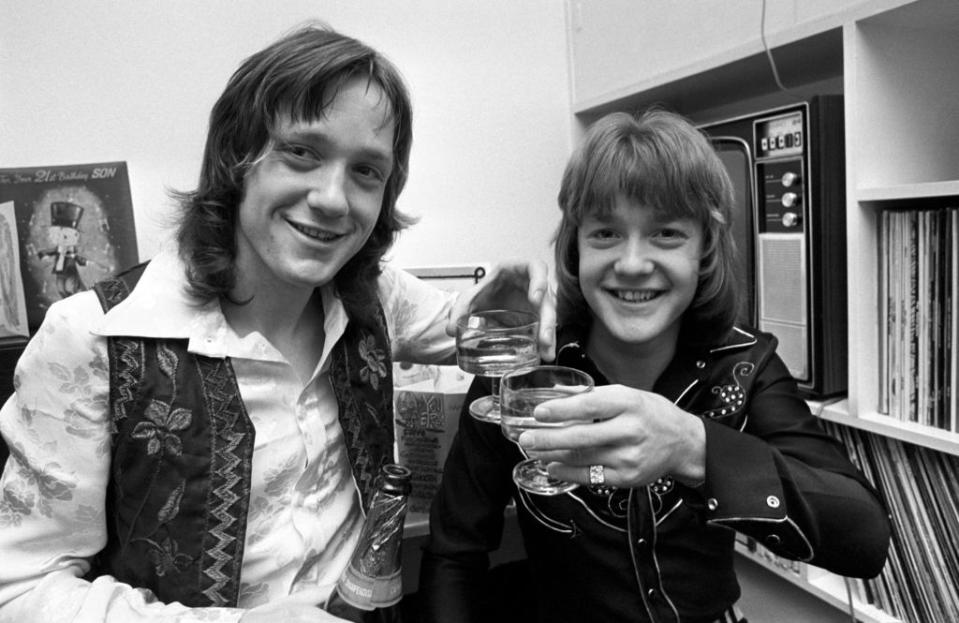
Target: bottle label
x=368, y=593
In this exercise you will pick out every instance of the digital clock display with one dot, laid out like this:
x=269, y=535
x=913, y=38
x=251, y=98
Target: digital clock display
x=780, y=136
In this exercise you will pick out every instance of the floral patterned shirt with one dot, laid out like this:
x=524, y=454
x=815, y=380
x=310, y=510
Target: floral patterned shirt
x=304, y=513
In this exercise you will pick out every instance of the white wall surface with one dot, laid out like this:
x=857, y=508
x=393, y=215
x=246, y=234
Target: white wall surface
x=134, y=80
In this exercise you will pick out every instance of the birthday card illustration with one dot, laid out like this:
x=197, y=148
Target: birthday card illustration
x=74, y=226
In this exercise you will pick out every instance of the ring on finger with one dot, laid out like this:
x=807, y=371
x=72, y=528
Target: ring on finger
x=597, y=475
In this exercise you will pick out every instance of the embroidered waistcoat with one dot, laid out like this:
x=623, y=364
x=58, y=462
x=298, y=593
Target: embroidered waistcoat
x=182, y=447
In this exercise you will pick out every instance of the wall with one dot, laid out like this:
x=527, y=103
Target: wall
x=98, y=80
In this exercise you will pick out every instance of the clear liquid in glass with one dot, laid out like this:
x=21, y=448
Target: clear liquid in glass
x=518, y=416
x=493, y=356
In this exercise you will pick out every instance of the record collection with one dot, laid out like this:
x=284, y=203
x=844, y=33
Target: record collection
x=920, y=487
x=918, y=315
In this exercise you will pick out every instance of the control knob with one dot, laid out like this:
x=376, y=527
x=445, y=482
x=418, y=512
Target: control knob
x=789, y=200
x=790, y=219
x=789, y=178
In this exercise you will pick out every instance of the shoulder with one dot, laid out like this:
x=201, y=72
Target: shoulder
x=67, y=328
x=78, y=312
x=743, y=354
x=65, y=360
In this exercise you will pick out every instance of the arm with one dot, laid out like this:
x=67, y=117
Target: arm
x=416, y=314
x=790, y=485
x=466, y=520
x=423, y=318
x=54, y=484
x=781, y=479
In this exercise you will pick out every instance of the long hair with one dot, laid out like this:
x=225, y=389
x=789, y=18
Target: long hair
x=298, y=75
x=662, y=161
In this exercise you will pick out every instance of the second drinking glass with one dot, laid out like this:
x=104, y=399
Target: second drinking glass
x=490, y=344
x=524, y=389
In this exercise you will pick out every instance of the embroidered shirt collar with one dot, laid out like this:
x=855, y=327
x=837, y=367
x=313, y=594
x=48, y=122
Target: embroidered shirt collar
x=160, y=307
x=687, y=368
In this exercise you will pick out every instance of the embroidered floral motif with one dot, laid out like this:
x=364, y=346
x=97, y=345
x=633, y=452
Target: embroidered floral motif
x=164, y=422
x=171, y=508
x=375, y=368
x=166, y=556
x=731, y=395
x=663, y=485
x=160, y=431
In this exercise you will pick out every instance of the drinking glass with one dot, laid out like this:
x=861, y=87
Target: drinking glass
x=521, y=391
x=491, y=343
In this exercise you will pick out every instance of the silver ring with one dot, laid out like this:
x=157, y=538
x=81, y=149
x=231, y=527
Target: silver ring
x=597, y=475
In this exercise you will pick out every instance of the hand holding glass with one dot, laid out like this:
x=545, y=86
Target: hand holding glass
x=491, y=343
x=521, y=391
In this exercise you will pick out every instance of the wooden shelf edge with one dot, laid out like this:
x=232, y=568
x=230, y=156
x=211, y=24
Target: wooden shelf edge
x=417, y=525
x=824, y=585
x=909, y=432
x=906, y=192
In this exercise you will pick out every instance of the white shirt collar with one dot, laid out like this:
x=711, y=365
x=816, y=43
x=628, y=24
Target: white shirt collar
x=160, y=307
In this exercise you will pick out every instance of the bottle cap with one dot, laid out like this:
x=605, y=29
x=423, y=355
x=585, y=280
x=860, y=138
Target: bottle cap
x=396, y=479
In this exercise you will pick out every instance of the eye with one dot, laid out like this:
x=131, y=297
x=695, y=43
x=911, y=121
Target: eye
x=600, y=236
x=369, y=174
x=298, y=153
x=673, y=234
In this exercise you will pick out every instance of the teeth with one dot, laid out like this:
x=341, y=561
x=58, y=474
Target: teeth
x=314, y=232
x=635, y=296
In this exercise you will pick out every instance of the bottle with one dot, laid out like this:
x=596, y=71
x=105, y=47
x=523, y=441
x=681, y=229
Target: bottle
x=370, y=589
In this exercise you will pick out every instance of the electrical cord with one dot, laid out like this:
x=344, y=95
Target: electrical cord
x=769, y=55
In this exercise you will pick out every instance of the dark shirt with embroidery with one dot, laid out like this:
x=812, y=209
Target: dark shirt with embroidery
x=662, y=552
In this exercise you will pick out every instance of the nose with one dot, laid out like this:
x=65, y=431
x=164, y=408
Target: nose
x=327, y=192
x=636, y=259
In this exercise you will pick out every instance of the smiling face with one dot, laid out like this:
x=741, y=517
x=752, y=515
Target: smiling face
x=312, y=199
x=638, y=272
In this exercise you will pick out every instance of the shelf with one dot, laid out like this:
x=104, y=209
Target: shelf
x=909, y=192
x=417, y=525
x=827, y=586
x=729, y=62
x=693, y=88
x=909, y=432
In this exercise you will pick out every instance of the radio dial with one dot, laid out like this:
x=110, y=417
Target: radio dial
x=789, y=200
x=789, y=178
x=790, y=219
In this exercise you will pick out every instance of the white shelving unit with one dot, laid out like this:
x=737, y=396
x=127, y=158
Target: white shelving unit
x=902, y=103
x=827, y=586
x=909, y=432
x=897, y=64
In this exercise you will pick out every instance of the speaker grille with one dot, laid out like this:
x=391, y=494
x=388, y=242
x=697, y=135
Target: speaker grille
x=783, y=298
x=782, y=278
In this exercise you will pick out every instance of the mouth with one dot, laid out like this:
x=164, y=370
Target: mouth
x=315, y=233
x=635, y=296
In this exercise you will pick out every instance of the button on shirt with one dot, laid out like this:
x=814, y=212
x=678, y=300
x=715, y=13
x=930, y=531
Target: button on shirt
x=304, y=513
